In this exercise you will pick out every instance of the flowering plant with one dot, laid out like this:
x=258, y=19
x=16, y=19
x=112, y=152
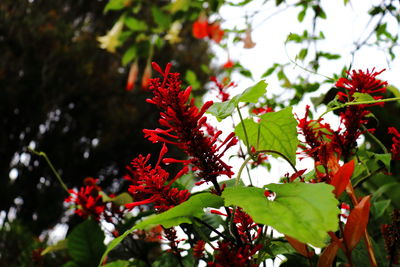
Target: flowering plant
x=238, y=223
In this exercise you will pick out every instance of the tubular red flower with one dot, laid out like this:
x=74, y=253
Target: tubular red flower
x=362, y=82
x=227, y=254
x=88, y=200
x=149, y=185
x=198, y=249
x=356, y=115
x=184, y=124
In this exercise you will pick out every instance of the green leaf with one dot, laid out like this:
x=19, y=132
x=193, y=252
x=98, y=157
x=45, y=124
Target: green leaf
x=60, y=245
x=114, y=5
x=182, y=213
x=383, y=158
x=250, y=95
x=302, y=14
x=122, y=199
x=129, y=55
x=270, y=70
x=135, y=24
x=85, y=243
x=119, y=263
x=303, y=53
x=328, y=55
x=305, y=212
x=388, y=191
x=179, y=5
x=378, y=208
x=192, y=80
x=361, y=97
x=70, y=264
x=162, y=19
x=276, y=131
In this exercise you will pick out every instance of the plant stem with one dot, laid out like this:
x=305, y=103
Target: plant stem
x=42, y=154
x=376, y=140
x=211, y=228
x=359, y=103
x=241, y=170
x=245, y=131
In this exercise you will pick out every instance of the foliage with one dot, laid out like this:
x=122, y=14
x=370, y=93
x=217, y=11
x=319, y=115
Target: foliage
x=155, y=212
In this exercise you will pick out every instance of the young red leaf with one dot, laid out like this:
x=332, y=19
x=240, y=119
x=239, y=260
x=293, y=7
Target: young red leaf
x=342, y=177
x=328, y=255
x=357, y=223
x=300, y=247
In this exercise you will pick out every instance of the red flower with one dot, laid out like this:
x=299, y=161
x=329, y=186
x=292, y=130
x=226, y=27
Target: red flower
x=228, y=255
x=396, y=143
x=198, y=249
x=355, y=116
x=361, y=82
x=229, y=64
x=170, y=235
x=222, y=87
x=132, y=76
x=262, y=110
x=321, y=143
x=200, y=28
x=183, y=124
x=88, y=200
x=215, y=32
x=146, y=76
x=151, y=186
x=247, y=229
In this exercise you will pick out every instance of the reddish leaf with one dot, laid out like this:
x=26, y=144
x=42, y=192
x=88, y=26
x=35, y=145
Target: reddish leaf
x=328, y=255
x=300, y=247
x=342, y=177
x=357, y=223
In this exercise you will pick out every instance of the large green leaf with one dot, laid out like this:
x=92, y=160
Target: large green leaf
x=305, y=212
x=85, y=243
x=222, y=110
x=276, y=131
x=182, y=213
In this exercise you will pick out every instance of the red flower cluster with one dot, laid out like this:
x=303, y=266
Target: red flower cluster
x=355, y=116
x=361, y=82
x=222, y=87
x=391, y=235
x=247, y=228
x=320, y=144
x=396, y=143
x=151, y=186
x=88, y=200
x=202, y=29
x=228, y=255
x=183, y=123
x=173, y=241
x=198, y=249
x=262, y=110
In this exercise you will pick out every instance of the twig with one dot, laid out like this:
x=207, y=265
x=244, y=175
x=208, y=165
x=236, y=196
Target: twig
x=42, y=154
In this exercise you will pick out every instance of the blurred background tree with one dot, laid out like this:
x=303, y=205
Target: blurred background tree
x=62, y=94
